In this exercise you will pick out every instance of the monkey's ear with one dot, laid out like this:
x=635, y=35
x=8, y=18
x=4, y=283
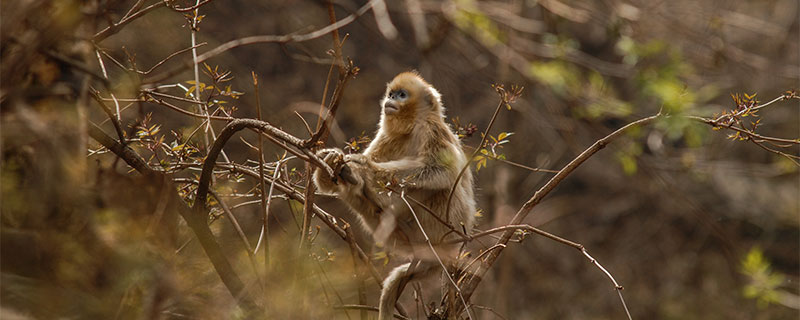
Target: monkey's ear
x=433, y=97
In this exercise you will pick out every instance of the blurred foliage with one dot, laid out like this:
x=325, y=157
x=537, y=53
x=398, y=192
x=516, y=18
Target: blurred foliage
x=763, y=282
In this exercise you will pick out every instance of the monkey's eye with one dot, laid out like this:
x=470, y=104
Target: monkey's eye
x=401, y=94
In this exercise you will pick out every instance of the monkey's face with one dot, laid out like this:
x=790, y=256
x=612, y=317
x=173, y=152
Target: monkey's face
x=394, y=101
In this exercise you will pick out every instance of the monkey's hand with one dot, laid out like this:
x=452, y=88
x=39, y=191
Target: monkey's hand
x=337, y=160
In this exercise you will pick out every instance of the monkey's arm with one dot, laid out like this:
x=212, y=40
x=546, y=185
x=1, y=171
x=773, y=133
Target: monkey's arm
x=435, y=172
x=361, y=181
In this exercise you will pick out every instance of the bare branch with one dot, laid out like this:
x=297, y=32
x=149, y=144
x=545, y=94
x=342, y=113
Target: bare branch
x=198, y=5
x=471, y=283
x=226, y=133
x=262, y=39
x=110, y=30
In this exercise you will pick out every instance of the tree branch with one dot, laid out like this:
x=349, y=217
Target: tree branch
x=472, y=282
x=197, y=224
x=261, y=39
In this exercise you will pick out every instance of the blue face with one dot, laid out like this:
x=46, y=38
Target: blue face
x=398, y=95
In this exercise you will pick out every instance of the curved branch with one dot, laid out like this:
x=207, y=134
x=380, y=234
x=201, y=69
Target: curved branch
x=225, y=135
x=471, y=283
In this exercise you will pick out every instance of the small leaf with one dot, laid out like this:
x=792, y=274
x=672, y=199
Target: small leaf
x=189, y=92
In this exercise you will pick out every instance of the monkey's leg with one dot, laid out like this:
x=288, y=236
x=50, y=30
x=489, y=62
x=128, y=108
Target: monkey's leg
x=396, y=281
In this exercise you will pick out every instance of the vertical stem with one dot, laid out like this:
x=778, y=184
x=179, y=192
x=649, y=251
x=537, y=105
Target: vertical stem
x=264, y=196
x=308, y=206
x=337, y=45
x=196, y=94
x=309, y=194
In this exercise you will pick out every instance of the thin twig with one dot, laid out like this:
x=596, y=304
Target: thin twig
x=263, y=39
x=264, y=197
x=136, y=6
x=110, y=30
x=497, y=246
x=194, y=7
x=202, y=107
x=308, y=128
x=107, y=110
x=717, y=124
x=158, y=64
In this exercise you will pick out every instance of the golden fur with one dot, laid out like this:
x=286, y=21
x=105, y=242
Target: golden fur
x=416, y=147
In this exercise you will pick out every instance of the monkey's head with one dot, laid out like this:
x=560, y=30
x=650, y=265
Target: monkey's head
x=408, y=100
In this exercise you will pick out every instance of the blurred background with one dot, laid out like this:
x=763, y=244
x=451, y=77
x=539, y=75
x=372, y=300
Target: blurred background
x=693, y=224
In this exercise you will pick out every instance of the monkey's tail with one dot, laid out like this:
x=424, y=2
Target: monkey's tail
x=392, y=287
